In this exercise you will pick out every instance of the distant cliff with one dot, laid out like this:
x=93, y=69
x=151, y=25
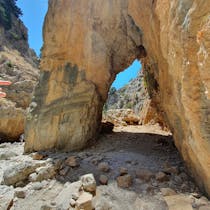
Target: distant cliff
x=18, y=64
x=131, y=96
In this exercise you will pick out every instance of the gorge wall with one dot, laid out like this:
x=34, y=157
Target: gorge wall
x=86, y=43
x=18, y=64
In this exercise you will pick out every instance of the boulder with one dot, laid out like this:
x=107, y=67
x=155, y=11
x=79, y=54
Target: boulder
x=88, y=183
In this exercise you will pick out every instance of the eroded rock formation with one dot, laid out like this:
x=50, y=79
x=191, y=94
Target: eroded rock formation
x=88, y=42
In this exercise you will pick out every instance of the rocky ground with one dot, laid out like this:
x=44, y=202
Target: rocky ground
x=133, y=168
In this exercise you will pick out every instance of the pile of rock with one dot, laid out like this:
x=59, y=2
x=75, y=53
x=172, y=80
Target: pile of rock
x=121, y=117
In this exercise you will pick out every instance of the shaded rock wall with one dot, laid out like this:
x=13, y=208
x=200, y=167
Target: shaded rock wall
x=177, y=44
x=88, y=42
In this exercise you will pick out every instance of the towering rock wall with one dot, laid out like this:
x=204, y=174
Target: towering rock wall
x=88, y=42
x=177, y=69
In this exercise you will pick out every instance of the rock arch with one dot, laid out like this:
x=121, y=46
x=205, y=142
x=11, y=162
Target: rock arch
x=86, y=43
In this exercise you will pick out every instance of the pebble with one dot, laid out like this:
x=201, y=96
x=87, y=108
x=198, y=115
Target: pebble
x=64, y=171
x=124, y=181
x=167, y=191
x=20, y=193
x=144, y=174
x=104, y=166
x=103, y=180
x=88, y=182
x=37, y=186
x=37, y=156
x=75, y=196
x=84, y=201
x=72, y=161
x=123, y=171
x=72, y=202
x=161, y=177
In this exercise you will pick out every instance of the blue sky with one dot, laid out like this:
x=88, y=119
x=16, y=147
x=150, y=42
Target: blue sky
x=33, y=17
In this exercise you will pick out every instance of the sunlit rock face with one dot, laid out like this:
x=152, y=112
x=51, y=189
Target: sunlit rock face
x=88, y=42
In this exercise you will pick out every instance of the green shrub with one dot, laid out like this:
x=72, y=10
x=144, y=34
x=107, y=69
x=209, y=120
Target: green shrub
x=9, y=64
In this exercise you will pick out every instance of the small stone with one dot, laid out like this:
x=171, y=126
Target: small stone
x=32, y=177
x=104, y=167
x=84, y=201
x=203, y=201
x=124, y=181
x=95, y=161
x=72, y=202
x=45, y=172
x=53, y=203
x=37, y=156
x=123, y=171
x=20, y=184
x=103, y=179
x=167, y=191
x=72, y=162
x=37, y=186
x=155, y=184
x=178, y=180
x=146, y=188
x=196, y=195
x=144, y=174
x=184, y=187
x=64, y=171
x=20, y=193
x=161, y=177
x=88, y=182
x=75, y=196
x=48, y=207
x=171, y=170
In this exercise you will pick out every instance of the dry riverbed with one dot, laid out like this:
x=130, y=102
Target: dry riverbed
x=133, y=168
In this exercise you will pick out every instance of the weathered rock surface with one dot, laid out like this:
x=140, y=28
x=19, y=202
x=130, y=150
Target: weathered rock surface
x=90, y=42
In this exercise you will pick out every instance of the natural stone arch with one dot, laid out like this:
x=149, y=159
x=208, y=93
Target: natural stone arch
x=86, y=43
x=79, y=65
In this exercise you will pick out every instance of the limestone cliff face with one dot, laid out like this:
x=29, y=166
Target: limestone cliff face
x=88, y=42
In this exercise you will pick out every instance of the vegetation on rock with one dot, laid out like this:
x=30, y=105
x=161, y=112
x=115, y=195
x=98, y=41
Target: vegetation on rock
x=7, y=9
